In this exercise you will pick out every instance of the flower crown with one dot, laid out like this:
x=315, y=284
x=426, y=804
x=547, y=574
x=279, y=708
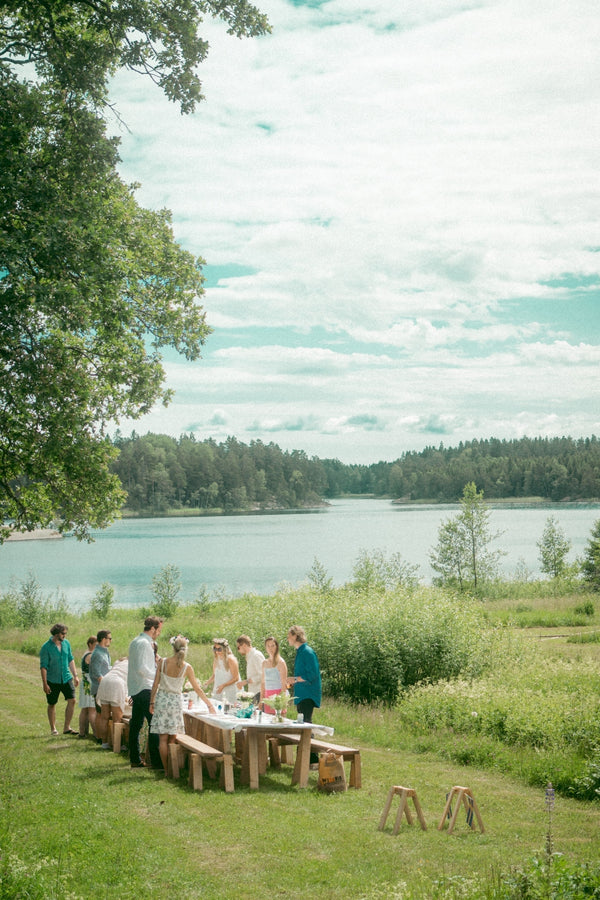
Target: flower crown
x=179, y=639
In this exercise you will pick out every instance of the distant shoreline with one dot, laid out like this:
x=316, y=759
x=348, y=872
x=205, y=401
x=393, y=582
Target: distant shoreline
x=38, y=534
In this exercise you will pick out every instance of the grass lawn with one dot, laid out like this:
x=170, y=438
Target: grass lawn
x=97, y=829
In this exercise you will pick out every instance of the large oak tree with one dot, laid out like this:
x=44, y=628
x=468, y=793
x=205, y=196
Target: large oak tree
x=92, y=286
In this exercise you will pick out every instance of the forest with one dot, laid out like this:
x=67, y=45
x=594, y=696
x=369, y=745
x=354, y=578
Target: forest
x=161, y=473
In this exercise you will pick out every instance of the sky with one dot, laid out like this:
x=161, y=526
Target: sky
x=398, y=207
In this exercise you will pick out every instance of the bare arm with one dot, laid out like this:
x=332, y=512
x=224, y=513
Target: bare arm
x=154, y=688
x=198, y=688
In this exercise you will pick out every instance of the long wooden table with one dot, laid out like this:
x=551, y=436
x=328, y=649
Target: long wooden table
x=217, y=730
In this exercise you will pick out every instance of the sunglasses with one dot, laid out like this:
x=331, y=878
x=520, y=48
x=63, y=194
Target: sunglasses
x=217, y=649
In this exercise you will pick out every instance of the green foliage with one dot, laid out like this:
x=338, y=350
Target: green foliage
x=166, y=586
x=554, y=547
x=590, y=566
x=462, y=557
x=201, y=603
x=80, y=45
x=162, y=473
x=25, y=607
x=544, y=878
x=92, y=286
x=370, y=646
x=585, y=609
x=39, y=880
x=102, y=602
x=318, y=579
x=373, y=572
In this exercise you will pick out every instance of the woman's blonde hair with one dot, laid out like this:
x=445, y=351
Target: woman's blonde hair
x=180, y=645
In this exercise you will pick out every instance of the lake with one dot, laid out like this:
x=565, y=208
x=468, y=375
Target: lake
x=257, y=553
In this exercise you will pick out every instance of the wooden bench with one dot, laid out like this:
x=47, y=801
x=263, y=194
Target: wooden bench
x=198, y=751
x=117, y=732
x=318, y=746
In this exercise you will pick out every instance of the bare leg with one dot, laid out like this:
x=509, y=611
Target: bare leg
x=69, y=713
x=52, y=717
x=102, y=725
x=83, y=721
x=163, y=749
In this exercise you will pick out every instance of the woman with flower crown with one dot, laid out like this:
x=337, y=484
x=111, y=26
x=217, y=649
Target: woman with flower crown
x=226, y=672
x=166, y=703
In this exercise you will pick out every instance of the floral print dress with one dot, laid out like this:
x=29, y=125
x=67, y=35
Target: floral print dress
x=168, y=703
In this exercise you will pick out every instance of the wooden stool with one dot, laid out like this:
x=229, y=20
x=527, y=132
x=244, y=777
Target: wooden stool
x=404, y=793
x=465, y=796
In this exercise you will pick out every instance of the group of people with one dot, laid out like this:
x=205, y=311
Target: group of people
x=154, y=686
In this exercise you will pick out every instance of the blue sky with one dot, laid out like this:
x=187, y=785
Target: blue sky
x=398, y=205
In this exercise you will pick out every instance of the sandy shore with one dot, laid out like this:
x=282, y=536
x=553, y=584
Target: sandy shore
x=40, y=534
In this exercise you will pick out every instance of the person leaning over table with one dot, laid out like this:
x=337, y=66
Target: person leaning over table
x=226, y=672
x=166, y=699
x=112, y=698
x=254, y=663
x=59, y=675
x=306, y=679
x=140, y=678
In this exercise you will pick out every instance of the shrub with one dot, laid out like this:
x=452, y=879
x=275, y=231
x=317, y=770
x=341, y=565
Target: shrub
x=102, y=602
x=585, y=609
x=8, y=610
x=372, y=647
x=166, y=585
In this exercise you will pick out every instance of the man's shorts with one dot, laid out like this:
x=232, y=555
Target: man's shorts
x=66, y=688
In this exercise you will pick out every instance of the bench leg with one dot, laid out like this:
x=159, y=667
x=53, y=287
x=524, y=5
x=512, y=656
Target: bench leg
x=287, y=754
x=274, y=754
x=117, y=733
x=355, y=772
x=195, y=777
x=173, y=761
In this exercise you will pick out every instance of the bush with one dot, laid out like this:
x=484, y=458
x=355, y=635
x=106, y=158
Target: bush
x=166, y=585
x=102, y=602
x=370, y=648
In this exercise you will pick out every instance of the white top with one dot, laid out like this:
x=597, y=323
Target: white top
x=142, y=665
x=171, y=684
x=113, y=687
x=254, y=661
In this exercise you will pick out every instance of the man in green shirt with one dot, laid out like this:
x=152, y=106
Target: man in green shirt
x=59, y=675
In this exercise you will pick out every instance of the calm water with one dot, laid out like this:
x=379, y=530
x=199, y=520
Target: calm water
x=259, y=552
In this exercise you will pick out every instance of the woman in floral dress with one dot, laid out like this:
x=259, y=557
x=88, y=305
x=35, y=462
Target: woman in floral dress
x=166, y=703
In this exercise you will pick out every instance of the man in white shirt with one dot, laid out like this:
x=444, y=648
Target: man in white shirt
x=254, y=664
x=140, y=678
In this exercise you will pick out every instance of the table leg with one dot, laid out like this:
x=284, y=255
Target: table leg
x=302, y=767
x=252, y=738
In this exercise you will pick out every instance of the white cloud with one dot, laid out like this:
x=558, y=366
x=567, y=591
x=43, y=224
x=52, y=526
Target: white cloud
x=392, y=176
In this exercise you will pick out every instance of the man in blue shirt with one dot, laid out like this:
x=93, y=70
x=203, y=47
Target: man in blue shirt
x=306, y=679
x=59, y=675
x=140, y=678
x=100, y=665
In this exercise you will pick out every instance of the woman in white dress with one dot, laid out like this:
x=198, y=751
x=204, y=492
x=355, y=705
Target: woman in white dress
x=226, y=672
x=166, y=702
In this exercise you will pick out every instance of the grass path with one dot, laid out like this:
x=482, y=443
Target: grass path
x=118, y=833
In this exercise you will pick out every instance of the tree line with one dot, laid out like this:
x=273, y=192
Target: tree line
x=161, y=473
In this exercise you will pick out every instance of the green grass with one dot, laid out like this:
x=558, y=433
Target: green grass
x=100, y=830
